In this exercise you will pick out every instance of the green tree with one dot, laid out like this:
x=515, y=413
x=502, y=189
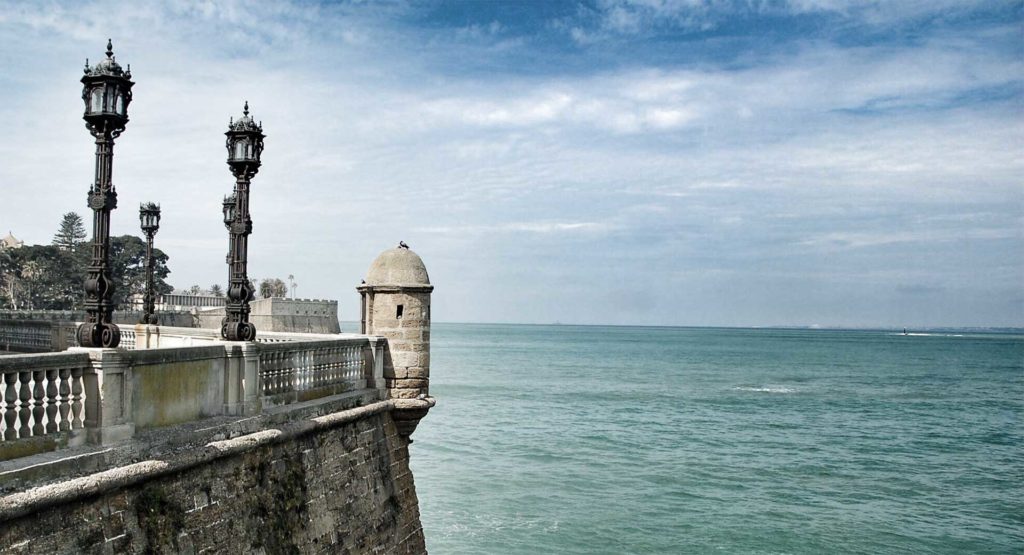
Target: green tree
x=71, y=233
x=9, y=280
x=37, y=277
x=128, y=269
x=216, y=290
x=41, y=277
x=273, y=287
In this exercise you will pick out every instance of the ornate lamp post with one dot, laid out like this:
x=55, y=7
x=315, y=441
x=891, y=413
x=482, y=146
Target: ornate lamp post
x=149, y=218
x=107, y=91
x=245, y=144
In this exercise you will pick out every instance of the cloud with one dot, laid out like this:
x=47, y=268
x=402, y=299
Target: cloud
x=613, y=19
x=811, y=161
x=517, y=227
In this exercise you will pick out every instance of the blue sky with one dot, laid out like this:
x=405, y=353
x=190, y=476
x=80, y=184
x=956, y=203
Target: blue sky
x=689, y=162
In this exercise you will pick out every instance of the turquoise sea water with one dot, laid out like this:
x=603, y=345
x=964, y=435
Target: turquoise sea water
x=566, y=439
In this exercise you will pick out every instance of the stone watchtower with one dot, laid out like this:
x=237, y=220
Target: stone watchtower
x=396, y=305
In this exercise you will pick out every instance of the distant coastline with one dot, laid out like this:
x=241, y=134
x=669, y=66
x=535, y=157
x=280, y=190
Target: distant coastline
x=349, y=324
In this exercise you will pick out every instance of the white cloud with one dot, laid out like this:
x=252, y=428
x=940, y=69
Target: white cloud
x=813, y=156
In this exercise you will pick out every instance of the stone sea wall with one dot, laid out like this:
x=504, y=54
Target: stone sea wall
x=284, y=315
x=338, y=484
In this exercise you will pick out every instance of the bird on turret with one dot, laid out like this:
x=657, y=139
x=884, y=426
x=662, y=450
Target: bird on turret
x=402, y=245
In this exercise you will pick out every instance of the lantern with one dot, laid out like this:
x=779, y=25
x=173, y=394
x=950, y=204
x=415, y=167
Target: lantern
x=149, y=217
x=107, y=91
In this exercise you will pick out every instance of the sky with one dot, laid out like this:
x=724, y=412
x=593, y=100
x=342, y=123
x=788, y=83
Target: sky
x=647, y=162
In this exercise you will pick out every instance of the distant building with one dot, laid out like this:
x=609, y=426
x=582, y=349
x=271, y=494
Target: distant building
x=179, y=301
x=10, y=242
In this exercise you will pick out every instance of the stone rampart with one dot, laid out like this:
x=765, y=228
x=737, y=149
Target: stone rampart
x=331, y=483
x=283, y=315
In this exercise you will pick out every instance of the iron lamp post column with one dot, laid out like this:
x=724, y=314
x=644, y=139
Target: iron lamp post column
x=107, y=91
x=149, y=218
x=244, y=144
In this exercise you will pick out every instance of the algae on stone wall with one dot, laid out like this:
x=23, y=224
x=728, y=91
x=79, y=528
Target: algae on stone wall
x=160, y=518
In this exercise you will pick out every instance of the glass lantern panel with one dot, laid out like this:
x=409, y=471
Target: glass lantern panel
x=119, y=104
x=96, y=101
x=240, y=147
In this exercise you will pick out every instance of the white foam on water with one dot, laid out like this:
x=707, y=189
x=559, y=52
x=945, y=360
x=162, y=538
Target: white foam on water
x=765, y=389
x=915, y=334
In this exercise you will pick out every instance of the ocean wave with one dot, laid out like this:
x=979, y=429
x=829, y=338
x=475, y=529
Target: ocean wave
x=765, y=389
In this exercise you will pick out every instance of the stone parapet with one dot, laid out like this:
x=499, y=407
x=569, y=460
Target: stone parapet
x=334, y=482
x=104, y=396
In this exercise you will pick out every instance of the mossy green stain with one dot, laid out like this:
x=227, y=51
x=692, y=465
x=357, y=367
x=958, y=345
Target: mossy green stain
x=160, y=518
x=171, y=393
x=280, y=504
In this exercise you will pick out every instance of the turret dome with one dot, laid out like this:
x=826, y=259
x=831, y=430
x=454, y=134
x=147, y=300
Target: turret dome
x=398, y=267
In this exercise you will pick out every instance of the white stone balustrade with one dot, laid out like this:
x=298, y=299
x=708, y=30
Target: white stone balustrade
x=34, y=336
x=102, y=396
x=293, y=371
x=42, y=397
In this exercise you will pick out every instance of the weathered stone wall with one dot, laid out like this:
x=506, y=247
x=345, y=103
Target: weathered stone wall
x=181, y=319
x=407, y=360
x=286, y=315
x=334, y=488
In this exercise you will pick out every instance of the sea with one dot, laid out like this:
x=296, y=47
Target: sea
x=591, y=439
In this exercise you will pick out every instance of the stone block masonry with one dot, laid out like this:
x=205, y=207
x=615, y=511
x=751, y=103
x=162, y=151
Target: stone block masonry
x=338, y=483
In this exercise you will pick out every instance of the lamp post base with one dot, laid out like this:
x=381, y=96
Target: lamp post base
x=106, y=336
x=237, y=331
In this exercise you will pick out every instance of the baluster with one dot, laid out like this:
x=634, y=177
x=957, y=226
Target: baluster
x=10, y=395
x=308, y=370
x=356, y=363
x=65, y=399
x=38, y=396
x=327, y=365
x=307, y=367
x=338, y=364
x=341, y=369
x=51, y=400
x=275, y=373
x=320, y=366
x=279, y=373
x=328, y=355
x=24, y=412
x=264, y=366
x=346, y=365
x=330, y=368
x=76, y=398
x=264, y=369
x=314, y=369
x=336, y=372
x=278, y=377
